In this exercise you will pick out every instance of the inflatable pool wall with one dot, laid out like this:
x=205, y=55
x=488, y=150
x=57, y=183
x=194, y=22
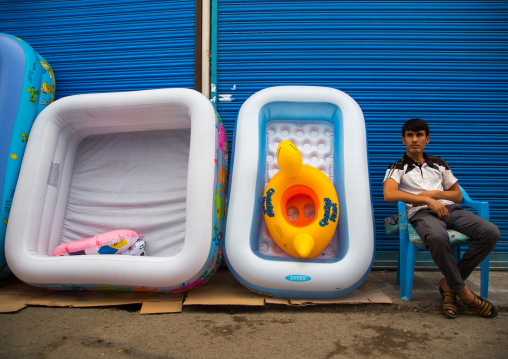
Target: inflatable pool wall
x=27, y=86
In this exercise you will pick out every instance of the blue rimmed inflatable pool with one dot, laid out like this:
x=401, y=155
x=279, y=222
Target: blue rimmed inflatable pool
x=328, y=128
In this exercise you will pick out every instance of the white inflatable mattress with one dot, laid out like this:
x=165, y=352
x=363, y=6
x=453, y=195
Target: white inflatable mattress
x=127, y=180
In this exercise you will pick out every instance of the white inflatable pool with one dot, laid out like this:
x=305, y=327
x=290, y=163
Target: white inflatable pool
x=154, y=162
x=328, y=128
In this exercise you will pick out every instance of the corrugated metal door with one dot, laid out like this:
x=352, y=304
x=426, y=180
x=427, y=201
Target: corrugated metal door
x=108, y=45
x=443, y=61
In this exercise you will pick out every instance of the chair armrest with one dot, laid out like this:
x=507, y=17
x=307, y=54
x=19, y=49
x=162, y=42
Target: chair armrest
x=481, y=207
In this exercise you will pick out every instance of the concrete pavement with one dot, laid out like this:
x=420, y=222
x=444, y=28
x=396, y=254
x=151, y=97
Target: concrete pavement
x=426, y=292
x=415, y=329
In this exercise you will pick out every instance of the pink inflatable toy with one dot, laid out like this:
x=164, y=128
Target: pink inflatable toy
x=122, y=241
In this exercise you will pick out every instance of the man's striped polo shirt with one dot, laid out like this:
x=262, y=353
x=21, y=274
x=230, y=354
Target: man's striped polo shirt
x=414, y=177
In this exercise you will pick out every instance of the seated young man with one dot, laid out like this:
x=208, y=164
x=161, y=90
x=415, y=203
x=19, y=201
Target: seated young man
x=431, y=193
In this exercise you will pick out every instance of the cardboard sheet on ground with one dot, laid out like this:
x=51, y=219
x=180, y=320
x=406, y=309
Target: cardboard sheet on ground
x=15, y=295
x=222, y=289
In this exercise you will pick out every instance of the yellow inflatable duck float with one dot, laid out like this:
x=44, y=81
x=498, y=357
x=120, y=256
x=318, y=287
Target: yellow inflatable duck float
x=300, y=205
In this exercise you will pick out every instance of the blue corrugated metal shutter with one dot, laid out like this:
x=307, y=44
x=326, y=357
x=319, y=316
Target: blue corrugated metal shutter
x=108, y=45
x=446, y=62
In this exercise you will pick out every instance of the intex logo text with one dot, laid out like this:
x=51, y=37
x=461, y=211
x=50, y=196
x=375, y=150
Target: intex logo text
x=298, y=278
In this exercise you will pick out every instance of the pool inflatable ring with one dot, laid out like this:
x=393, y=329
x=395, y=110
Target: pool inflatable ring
x=300, y=205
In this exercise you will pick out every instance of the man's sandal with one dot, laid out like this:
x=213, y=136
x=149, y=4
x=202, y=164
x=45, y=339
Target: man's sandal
x=484, y=309
x=449, y=303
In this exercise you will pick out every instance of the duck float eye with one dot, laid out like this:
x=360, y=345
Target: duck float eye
x=300, y=205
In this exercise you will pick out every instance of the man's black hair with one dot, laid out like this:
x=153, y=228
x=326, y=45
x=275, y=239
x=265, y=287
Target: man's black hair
x=415, y=125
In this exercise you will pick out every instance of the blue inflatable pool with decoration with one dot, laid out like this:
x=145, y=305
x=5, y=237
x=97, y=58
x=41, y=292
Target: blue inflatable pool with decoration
x=27, y=86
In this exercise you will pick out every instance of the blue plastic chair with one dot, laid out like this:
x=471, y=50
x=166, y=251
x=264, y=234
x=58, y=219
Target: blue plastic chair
x=410, y=241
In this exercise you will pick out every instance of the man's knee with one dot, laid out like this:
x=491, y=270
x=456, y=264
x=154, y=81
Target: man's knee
x=491, y=234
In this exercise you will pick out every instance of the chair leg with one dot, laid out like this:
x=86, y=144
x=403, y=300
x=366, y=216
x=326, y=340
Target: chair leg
x=456, y=252
x=402, y=267
x=484, y=283
x=406, y=287
x=397, y=281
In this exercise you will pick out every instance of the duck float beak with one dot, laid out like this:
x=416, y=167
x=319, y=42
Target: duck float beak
x=304, y=244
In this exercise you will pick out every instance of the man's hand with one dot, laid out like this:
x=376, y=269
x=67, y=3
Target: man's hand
x=433, y=204
x=439, y=208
